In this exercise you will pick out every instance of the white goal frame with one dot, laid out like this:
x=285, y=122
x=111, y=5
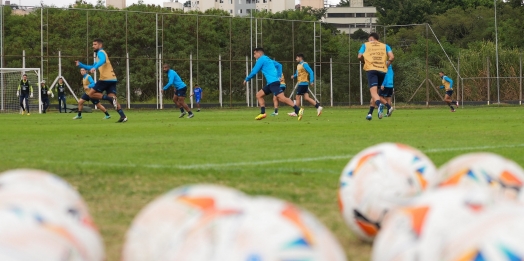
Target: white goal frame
x=3, y=88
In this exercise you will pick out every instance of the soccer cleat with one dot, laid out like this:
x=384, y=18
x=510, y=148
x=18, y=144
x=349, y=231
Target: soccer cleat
x=77, y=117
x=452, y=110
x=260, y=116
x=182, y=115
x=292, y=114
x=198, y=110
x=28, y=114
x=319, y=110
x=369, y=117
x=380, y=111
x=190, y=116
x=457, y=103
x=23, y=112
x=300, y=113
x=274, y=114
x=122, y=119
x=115, y=103
x=107, y=117
x=390, y=111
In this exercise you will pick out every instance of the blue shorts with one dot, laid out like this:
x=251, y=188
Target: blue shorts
x=107, y=86
x=375, y=78
x=302, y=89
x=181, y=92
x=387, y=92
x=86, y=97
x=273, y=87
x=61, y=97
x=197, y=99
x=450, y=93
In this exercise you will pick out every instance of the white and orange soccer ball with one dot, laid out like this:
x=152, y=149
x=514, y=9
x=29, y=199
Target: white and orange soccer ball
x=378, y=179
x=483, y=170
x=38, y=203
x=213, y=223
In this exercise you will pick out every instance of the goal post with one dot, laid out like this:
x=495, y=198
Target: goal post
x=9, y=81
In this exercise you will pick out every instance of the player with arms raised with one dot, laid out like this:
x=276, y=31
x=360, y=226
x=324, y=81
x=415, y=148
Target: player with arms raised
x=24, y=91
x=107, y=81
x=88, y=83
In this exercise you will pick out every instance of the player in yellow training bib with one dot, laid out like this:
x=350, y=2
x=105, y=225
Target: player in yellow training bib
x=88, y=83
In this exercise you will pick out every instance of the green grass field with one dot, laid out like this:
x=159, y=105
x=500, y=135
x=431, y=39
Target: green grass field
x=119, y=168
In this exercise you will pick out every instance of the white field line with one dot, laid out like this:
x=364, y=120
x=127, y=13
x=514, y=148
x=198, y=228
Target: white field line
x=264, y=162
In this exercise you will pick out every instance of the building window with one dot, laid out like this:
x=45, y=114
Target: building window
x=264, y=1
x=370, y=15
x=340, y=15
x=360, y=15
x=230, y=11
x=231, y=1
x=248, y=11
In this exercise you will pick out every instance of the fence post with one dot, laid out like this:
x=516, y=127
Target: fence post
x=458, y=80
x=361, y=98
x=520, y=79
x=488, y=75
x=220, y=80
x=191, y=78
x=331, y=79
x=128, y=82
x=247, y=83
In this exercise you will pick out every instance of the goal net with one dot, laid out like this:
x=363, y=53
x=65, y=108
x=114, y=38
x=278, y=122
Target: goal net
x=9, y=81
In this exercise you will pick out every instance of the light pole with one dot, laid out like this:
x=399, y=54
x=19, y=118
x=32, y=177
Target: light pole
x=497, y=52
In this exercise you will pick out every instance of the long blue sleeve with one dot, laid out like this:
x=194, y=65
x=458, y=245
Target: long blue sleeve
x=255, y=70
x=171, y=79
x=447, y=79
x=91, y=81
x=388, y=79
x=279, y=67
x=310, y=72
x=101, y=61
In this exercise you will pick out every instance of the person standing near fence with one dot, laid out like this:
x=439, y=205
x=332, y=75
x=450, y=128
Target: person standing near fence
x=267, y=66
x=180, y=91
x=24, y=91
x=302, y=73
x=107, y=81
x=385, y=92
x=44, y=96
x=377, y=57
x=447, y=84
x=197, y=92
x=61, y=87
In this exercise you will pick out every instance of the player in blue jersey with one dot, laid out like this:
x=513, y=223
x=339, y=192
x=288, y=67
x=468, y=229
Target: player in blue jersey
x=180, y=91
x=303, y=70
x=447, y=84
x=267, y=66
x=107, y=80
x=278, y=66
x=385, y=92
x=197, y=92
x=88, y=83
x=377, y=57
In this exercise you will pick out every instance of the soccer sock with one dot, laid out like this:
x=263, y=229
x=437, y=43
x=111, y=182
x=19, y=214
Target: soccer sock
x=262, y=110
x=317, y=105
x=451, y=106
x=297, y=109
x=377, y=102
x=371, y=108
x=107, y=98
x=388, y=106
x=190, y=112
x=121, y=112
x=79, y=113
x=182, y=109
x=107, y=113
x=276, y=110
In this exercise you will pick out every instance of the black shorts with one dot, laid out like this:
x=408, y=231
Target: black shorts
x=450, y=93
x=107, y=86
x=387, y=92
x=273, y=87
x=302, y=89
x=375, y=78
x=86, y=97
x=181, y=92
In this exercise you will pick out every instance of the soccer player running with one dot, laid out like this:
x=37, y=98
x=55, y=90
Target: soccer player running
x=44, y=95
x=180, y=91
x=303, y=70
x=61, y=87
x=24, y=91
x=275, y=100
x=107, y=81
x=197, y=92
x=88, y=83
x=447, y=84
x=385, y=92
x=267, y=66
x=377, y=57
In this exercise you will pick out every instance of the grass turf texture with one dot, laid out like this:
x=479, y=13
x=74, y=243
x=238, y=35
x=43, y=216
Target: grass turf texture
x=119, y=168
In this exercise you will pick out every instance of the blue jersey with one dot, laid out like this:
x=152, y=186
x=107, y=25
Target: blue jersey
x=198, y=92
x=174, y=80
x=388, y=79
x=278, y=66
x=267, y=66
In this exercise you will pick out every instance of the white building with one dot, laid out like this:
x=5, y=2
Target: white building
x=120, y=4
x=240, y=7
x=317, y=4
x=174, y=4
x=353, y=18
